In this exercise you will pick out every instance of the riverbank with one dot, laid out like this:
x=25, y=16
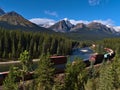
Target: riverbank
x=5, y=66
x=15, y=62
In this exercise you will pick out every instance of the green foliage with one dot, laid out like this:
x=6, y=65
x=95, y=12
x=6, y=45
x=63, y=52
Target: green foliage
x=12, y=43
x=106, y=78
x=26, y=65
x=110, y=75
x=76, y=75
x=26, y=61
x=116, y=72
x=113, y=43
x=45, y=73
x=58, y=85
x=9, y=82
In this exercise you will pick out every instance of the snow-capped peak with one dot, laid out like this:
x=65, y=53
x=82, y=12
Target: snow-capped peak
x=114, y=28
x=66, y=19
x=68, y=23
x=117, y=28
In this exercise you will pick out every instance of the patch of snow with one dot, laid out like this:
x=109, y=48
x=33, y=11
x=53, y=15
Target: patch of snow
x=117, y=28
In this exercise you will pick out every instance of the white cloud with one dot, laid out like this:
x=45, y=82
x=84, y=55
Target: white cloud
x=94, y=2
x=78, y=21
x=43, y=21
x=105, y=22
x=52, y=13
x=97, y=2
x=108, y=22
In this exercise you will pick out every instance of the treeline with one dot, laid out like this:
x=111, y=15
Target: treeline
x=12, y=43
x=76, y=76
x=113, y=43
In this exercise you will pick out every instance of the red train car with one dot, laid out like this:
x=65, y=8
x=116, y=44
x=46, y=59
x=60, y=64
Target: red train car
x=59, y=63
x=58, y=60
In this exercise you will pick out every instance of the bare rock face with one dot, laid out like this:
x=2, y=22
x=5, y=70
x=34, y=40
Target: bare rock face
x=13, y=20
x=93, y=27
x=98, y=27
x=78, y=26
x=62, y=26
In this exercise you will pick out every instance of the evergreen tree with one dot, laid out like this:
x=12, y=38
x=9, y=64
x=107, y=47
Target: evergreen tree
x=12, y=43
x=106, y=78
x=13, y=49
x=26, y=65
x=9, y=82
x=116, y=72
x=45, y=73
x=76, y=75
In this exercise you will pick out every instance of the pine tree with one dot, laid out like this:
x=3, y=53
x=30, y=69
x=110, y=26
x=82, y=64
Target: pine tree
x=45, y=73
x=76, y=75
x=116, y=72
x=9, y=82
x=106, y=78
x=13, y=49
x=26, y=65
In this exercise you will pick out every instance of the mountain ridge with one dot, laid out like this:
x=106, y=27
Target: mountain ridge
x=12, y=20
x=61, y=26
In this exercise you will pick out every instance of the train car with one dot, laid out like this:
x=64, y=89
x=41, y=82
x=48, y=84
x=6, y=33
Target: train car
x=59, y=63
x=58, y=59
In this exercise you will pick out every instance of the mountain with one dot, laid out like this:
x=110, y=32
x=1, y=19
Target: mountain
x=95, y=30
x=81, y=31
x=62, y=26
x=77, y=27
x=13, y=20
x=100, y=28
x=2, y=12
x=94, y=27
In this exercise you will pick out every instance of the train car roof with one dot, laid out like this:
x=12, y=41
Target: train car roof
x=58, y=57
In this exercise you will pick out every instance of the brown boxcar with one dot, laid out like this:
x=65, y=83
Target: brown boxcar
x=58, y=60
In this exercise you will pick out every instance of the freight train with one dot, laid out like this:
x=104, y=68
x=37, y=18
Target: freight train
x=60, y=64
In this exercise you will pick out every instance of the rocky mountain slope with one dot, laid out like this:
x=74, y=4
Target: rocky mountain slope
x=13, y=20
x=95, y=27
x=62, y=26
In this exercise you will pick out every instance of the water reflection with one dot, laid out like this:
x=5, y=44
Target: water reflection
x=83, y=53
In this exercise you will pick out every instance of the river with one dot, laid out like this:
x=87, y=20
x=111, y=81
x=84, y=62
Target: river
x=83, y=53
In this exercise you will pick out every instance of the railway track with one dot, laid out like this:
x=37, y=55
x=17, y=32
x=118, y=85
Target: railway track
x=15, y=62
x=98, y=59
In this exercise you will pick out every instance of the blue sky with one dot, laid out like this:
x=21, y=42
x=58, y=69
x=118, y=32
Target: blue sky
x=105, y=11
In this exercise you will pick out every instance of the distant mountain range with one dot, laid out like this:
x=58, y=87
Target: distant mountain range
x=57, y=27
x=66, y=26
x=13, y=20
x=93, y=30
